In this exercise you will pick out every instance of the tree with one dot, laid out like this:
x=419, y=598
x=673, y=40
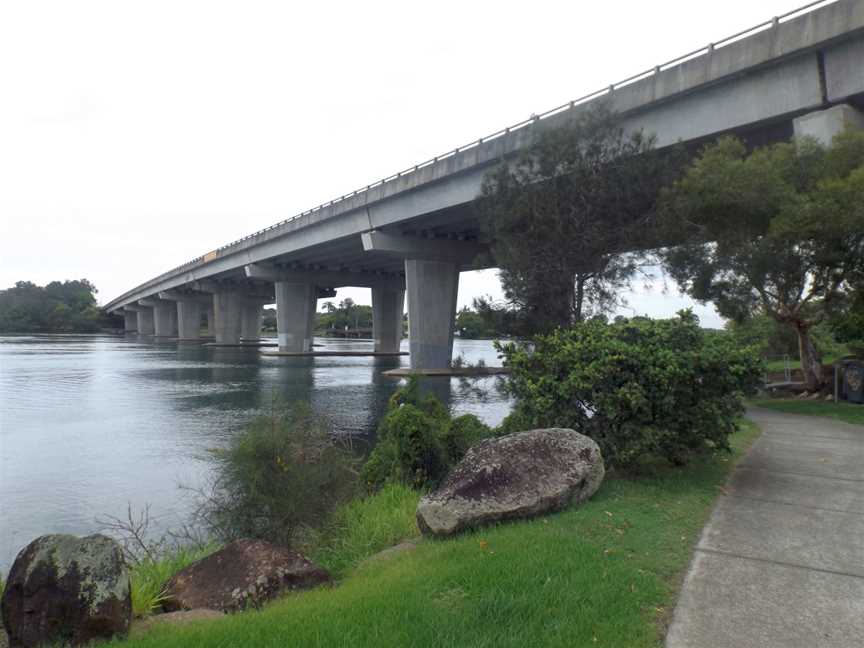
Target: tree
x=68, y=306
x=777, y=231
x=566, y=217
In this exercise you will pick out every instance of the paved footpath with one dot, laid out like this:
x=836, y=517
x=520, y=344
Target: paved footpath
x=780, y=564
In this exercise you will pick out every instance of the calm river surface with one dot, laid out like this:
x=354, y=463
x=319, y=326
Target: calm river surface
x=91, y=424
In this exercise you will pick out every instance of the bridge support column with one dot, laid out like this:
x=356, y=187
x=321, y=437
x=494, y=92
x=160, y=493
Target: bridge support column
x=145, y=321
x=432, y=288
x=189, y=319
x=211, y=319
x=825, y=124
x=165, y=318
x=387, y=309
x=228, y=311
x=130, y=321
x=250, y=325
x=295, y=315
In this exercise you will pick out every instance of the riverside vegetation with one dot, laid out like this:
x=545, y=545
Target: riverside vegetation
x=604, y=573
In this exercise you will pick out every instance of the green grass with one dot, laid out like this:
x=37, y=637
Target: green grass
x=603, y=574
x=778, y=366
x=848, y=412
x=150, y=576
x=366, y=526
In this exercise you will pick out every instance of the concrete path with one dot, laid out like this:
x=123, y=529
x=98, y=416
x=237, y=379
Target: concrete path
x=781, y=561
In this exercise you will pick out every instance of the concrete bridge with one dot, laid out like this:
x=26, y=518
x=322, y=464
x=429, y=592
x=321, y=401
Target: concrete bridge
x=798, y=74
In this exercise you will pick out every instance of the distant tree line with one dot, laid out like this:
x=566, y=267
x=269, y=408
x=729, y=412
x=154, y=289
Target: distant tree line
x=59, y=307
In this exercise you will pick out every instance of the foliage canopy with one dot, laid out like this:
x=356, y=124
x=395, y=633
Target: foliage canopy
x=640, y=388
x=59, y=307
x=776, y=231
x=567, y=218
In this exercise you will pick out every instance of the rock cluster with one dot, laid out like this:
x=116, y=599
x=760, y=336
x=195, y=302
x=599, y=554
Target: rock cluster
x=515, y=476
x=62, y=588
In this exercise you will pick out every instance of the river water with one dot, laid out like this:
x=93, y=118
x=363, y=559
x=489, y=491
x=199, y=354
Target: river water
x=92, y=424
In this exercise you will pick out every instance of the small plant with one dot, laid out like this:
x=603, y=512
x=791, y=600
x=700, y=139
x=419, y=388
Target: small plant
x=418, y=441
x=153, y=561
x=280, y=477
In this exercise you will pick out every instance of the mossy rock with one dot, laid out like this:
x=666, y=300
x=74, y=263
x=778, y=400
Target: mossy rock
x=62, y=588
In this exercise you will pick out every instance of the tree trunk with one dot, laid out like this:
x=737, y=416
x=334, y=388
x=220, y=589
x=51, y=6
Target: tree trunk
x=811, y=361
x=580, y=297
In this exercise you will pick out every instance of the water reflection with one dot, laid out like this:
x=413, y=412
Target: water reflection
x=89, y=423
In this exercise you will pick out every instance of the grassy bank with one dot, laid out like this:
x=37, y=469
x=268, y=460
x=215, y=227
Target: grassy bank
x=848, y=412
x=604, y=574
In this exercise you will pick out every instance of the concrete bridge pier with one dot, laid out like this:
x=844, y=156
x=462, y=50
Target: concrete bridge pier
x=189, y=319
x=130, y=321
x=250, y=326
x=296, y=304
x=164, y=316
x=189, y=307
x=143, y=318
x=432, y=267
x=387, y=309
x=432, y=289
x=211, y=319
x=228, y=316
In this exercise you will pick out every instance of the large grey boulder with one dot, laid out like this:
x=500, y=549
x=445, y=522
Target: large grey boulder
x=515, y=476
x=66, y=589
x=243, y=574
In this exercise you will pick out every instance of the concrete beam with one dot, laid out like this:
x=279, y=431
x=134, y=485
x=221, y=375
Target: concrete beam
x=823, y=125
x=177, y=295
x=432, y=290
x=247, y=289
x=327, y=278
x=413, y=247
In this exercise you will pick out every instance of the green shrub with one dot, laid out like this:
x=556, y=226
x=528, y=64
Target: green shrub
x=418, y=442
x=641, y=388
x=281, y=476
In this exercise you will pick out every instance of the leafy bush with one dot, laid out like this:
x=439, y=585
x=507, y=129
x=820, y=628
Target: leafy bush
x=418, y=442
x=641, y=388
x=283, y=475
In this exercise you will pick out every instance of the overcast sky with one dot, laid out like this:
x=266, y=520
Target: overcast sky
x=135, y=136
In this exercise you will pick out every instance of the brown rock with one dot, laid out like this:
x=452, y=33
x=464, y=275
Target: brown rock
x=515, y=476
x=245, y=573
x=67, y=589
